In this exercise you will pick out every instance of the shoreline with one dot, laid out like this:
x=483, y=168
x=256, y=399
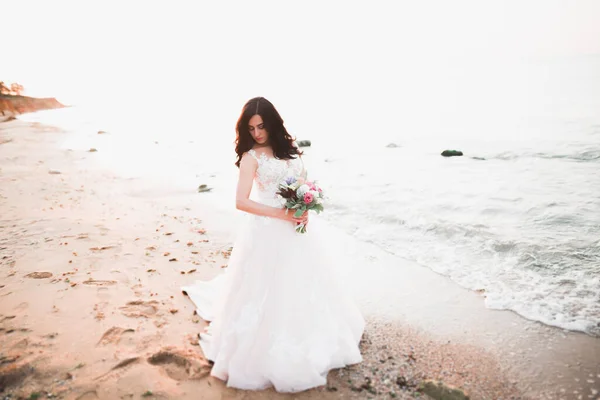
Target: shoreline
x=106, y=249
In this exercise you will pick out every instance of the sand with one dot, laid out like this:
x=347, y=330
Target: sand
x=91, y=266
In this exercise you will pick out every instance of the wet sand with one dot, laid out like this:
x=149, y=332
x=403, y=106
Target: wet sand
x=91, y=266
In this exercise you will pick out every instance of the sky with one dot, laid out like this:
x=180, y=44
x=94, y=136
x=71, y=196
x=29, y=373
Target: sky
x=216, y=55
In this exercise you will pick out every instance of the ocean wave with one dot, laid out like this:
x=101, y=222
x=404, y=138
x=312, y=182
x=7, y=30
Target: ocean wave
x=392, y=219
x=591, y=155
x=548, y=279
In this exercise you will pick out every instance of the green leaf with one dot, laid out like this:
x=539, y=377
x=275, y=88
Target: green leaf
x=317, y=208
x=299, y=213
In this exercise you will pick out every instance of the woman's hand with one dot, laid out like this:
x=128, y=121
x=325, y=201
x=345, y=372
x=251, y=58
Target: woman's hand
x=303, y=219
x=289, y=216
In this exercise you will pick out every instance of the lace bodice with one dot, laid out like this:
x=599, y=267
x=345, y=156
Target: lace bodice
x=270, y=173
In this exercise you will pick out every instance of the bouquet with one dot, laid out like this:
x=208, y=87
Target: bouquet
x=301, y=196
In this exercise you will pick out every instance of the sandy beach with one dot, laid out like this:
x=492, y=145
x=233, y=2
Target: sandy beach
x=91, y=267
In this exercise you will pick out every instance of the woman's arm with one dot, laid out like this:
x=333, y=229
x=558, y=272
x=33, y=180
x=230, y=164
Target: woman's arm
x=248, y=166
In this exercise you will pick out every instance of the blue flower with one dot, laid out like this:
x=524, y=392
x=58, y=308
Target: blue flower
x=290, y=180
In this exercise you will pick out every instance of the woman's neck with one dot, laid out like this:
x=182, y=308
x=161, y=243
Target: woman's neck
x=261, y=146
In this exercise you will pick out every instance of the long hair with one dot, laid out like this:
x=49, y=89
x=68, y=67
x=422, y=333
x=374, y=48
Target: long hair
x=280, y=140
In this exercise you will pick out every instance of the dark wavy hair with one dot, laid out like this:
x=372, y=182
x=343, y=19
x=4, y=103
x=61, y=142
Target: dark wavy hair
x=280, y=140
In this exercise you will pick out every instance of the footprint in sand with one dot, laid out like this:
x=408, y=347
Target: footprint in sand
x=39, y=275
x=119, y=367
x=8, y=359
x=13, y=375
x=22, y=344
x=113, y=336
x=4, y=318
x=22, y=306
x=95, y=282
x=100, y=248
x=181, y=365
x=140, y=309
x=88, y=395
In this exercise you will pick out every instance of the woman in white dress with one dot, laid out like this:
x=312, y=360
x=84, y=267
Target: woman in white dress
x=278, y=315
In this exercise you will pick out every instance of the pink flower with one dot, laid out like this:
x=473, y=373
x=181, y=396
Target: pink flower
x=308, y=198
x=311, y=186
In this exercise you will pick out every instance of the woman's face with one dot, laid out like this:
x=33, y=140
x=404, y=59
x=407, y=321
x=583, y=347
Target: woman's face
x=257, y=130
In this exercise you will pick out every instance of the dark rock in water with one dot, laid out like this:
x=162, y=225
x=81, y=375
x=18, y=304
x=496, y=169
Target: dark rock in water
x=452, y=153
x=439, y=391
x=303, y=143
x=392, y=146
x=203, y=188
x=478, y=158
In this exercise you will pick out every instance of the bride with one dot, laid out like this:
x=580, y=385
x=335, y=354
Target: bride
x=278, y=315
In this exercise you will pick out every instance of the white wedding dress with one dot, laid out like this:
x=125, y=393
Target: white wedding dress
x=279, y=316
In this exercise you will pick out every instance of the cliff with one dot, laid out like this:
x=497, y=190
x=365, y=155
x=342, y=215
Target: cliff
x=11, y=106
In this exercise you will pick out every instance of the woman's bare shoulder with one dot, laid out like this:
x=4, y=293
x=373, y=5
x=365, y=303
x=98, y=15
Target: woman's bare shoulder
x=249, y=157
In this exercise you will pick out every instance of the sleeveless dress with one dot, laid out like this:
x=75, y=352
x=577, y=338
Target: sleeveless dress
x=278, y=315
